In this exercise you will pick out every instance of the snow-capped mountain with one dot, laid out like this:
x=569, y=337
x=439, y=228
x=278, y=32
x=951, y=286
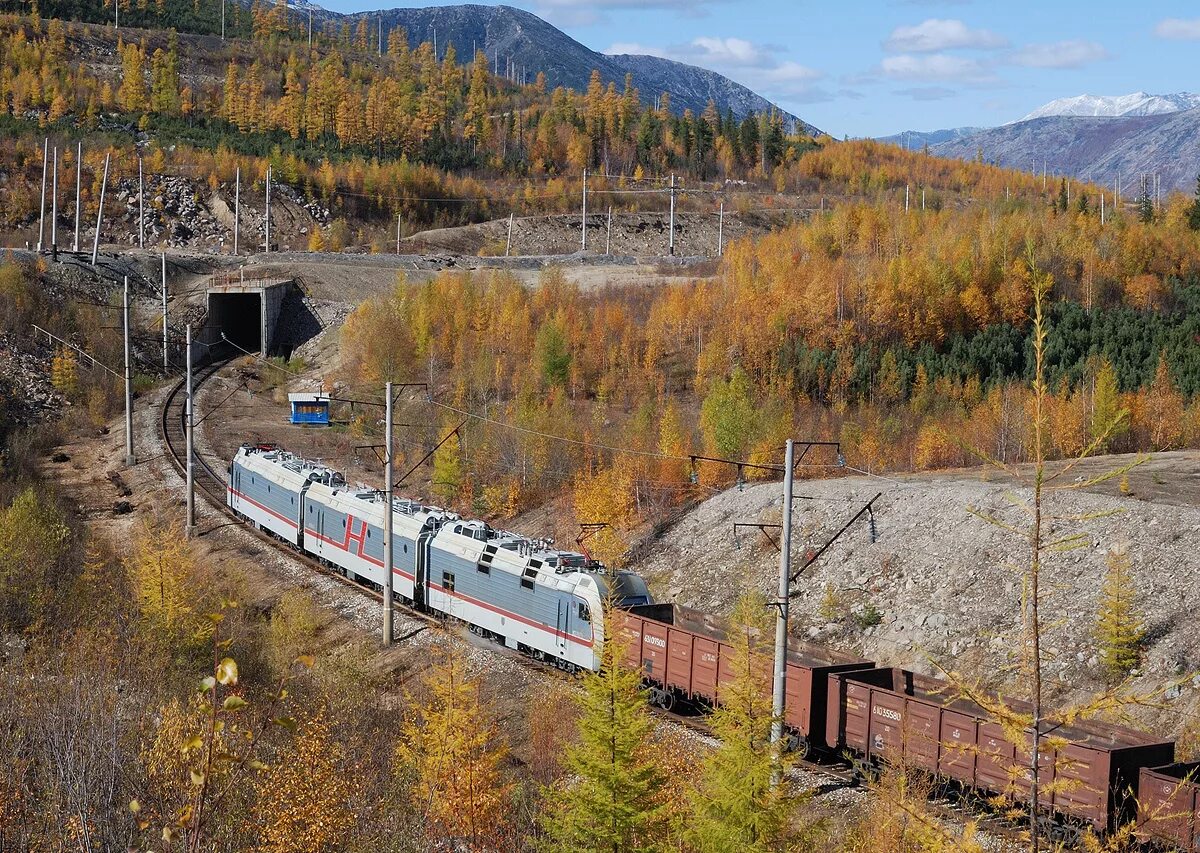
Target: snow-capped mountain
x=1137, y=104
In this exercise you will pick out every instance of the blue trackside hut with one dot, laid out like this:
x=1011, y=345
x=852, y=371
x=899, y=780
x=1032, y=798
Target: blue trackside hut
x=310, y=408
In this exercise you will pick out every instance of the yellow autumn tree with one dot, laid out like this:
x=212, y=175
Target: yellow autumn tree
x=302, y=798
x=64, y=372
x=606, y=497
x=452, y=755
x=160, y=566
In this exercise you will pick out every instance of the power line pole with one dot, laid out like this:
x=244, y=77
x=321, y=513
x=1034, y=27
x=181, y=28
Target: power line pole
x=166, y=366
x=268, y=246
x=141, y=207
x=583, y=245
x=130, y=460
x=781, y=620
x=671, y=236
x=608, y=235
x=310, y=27
x=906, y=198
x=223, y=19
x=721, y=230
x=237, y=208
x=54, y=209
x=508, y=242
x=100, y=210
x=189, y=427
x=78, y=185
x=399, y=222
x=42, y=217
x=388, y=545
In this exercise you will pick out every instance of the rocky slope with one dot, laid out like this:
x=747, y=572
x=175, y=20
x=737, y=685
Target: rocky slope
x=945, y=585
x=1095, y=149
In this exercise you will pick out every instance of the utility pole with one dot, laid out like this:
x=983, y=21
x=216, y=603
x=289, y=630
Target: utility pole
x=583, y=245
x=1101, y=208
x=381, y=35
x=237, y=208
x=141, y=207
x=310, y=27
x=78, y=185
x=388, y=545
x=399, y=221
x=906, y=198
x=189, y=426
x=781, y=620
x=268, y=233
x=671, y=236
x=166, y=366
x=130, y=460
x=100, y=210
x=54, y=209
x=223, y=19
x=508, y=242
x=721, y=230
x=922, y=198
x=608, y=236
x=42, y=217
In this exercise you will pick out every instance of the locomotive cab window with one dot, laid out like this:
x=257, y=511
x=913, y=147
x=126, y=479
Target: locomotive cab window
x=585, y=613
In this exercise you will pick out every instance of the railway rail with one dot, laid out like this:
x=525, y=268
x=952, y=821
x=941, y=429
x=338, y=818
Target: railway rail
x=214, y=488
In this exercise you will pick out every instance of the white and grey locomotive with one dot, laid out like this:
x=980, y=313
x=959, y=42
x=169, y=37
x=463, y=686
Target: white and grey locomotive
x=518, y=591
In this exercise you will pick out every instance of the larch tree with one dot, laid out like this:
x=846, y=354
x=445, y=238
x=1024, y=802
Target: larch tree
x=453, y=757
x=160, y=565
x=609, y=801
x=1119, y=629
x=302, y=798
x=736, y=807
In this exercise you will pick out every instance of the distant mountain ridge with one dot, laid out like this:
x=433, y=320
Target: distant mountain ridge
x=915, y=140
x=1135, y=104
x=515, y=39
x=1096, y=148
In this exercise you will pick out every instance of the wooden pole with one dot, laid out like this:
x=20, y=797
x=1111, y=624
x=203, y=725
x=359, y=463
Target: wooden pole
x=54, y=208
x=721, y=231
x=130, y=459
x=42, y=217
x=237, y=208
x=508, y=242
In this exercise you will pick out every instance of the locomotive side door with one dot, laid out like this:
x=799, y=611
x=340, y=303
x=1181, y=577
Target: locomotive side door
x=421, y=572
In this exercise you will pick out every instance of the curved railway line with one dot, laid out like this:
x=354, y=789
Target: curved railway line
x=213, y=486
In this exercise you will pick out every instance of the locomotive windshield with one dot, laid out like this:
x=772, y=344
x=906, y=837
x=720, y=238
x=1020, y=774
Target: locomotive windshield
x=627, y=589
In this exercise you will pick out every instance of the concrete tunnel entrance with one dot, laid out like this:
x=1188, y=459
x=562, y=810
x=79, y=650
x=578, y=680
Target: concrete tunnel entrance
x=246, y=314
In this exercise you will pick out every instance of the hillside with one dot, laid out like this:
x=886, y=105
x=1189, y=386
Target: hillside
x=520, y=44
x=1096, y=149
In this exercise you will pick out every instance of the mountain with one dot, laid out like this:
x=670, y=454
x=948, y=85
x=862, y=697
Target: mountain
x=915, y=140
x=1094, y=148
x=1137, y=104
x=520, y=41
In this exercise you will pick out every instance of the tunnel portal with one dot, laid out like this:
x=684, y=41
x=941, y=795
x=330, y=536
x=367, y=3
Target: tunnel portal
x=246, y=314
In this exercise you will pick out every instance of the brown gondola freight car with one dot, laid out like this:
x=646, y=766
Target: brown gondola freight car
x=1168, y=799
x=683, y=656
x=893, y=715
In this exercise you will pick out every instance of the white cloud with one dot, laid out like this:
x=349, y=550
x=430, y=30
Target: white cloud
x=936, y=67
x=1061, y=54
x=938, y=34
x=730, y=51
x=1178, y=28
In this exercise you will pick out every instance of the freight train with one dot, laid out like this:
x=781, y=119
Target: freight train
x=550, y=604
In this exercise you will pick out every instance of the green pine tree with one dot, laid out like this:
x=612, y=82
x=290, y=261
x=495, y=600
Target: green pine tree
x=1119, y=629
x=1145, y=203
x=735, y=808
x=1194, y=210
x=611, y=803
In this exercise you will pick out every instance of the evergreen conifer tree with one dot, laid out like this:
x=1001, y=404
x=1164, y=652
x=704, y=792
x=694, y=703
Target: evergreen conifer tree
x=1119, y=628
x=611, y=803
x=1194, y=210
x=735, y=806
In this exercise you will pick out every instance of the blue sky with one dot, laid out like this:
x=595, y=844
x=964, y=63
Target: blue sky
x=877, y=67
